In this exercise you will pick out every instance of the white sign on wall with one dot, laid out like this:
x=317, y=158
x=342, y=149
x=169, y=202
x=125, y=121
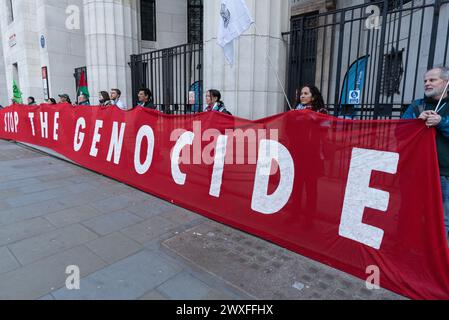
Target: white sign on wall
x=354, y=97
x=12, y=40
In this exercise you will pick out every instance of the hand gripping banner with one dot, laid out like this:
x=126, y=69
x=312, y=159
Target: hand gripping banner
x=355, y=195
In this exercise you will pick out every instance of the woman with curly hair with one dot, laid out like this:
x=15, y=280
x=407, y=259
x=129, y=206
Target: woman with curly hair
x=311, y=98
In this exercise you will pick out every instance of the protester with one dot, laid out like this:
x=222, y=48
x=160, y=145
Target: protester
x=311, y=98
x=115, y=99
x=436, y=116
x=50, y=101
x=64, y=98
x=31, y=101
x=214, y=103
x=145, y=97
x=83, y=100
x=104, y=98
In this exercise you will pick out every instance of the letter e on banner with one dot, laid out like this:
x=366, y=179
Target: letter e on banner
x=359, y=195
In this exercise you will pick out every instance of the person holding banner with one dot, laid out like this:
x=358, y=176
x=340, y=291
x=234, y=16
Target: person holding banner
x=214, y=103
x=31, y=101
x=104, y=99
x=64, y=98
x=145, y=97
x=434, y=111
x=310, y=98
x=83, y=100
x=115, y=99
x=50, y=101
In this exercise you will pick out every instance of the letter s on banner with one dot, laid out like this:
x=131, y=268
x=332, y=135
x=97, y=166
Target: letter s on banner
x=359, y=195
x=270, y=150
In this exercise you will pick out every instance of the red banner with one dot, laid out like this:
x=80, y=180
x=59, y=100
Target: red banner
x=360, y=196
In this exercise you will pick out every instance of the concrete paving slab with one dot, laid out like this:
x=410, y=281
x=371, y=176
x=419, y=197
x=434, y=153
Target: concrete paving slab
x=114, y=247
x=130, y=278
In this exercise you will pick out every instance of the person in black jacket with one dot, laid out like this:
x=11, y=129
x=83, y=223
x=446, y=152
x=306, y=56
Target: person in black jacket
x=146, y=98
x=436, y=116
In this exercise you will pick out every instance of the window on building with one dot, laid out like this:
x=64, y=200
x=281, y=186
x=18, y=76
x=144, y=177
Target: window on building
x=392, y=73
x=10, y=11
x=393, y=4
x=304, y=41
x=195, y=21
x=148, y=19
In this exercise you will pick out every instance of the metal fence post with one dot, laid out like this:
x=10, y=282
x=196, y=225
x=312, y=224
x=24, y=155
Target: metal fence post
x=339, y=60
x=381, y=59
x=132, y=64
x=433, y=35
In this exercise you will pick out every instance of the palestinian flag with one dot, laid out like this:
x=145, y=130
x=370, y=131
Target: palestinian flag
x=82, y=85
x=17, y=94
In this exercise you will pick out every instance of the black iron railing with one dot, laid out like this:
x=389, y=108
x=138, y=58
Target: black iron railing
x=392, y=42
x=174, y=76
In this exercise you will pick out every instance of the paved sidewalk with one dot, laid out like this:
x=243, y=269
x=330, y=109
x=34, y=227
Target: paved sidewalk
x=131, y=245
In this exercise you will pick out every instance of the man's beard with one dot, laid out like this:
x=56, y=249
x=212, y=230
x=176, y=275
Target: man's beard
x=434, y=93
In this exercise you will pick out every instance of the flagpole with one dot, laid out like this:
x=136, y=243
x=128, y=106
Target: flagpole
x=275, y=72
x=441, y=99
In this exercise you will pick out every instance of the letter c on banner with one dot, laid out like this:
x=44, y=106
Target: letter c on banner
x=185, y=139
x=262, y=202
x=79, y=135
x=144, y=131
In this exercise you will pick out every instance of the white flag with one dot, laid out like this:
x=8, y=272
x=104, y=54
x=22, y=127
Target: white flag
x=236, y=19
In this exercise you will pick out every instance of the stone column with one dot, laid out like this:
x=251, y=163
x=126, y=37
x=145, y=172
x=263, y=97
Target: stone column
x=111, y=33
x=249, y=88
x=4, y=101
x=23, y=49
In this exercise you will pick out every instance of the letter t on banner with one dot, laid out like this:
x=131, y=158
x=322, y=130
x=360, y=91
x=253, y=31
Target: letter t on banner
x=236, y=19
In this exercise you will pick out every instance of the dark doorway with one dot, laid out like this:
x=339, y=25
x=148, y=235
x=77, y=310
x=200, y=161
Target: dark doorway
x=303, y=51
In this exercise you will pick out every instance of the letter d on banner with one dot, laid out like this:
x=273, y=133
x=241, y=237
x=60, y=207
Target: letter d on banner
x=270, y=150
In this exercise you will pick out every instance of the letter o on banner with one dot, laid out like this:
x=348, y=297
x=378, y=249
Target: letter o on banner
x=144, y=131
